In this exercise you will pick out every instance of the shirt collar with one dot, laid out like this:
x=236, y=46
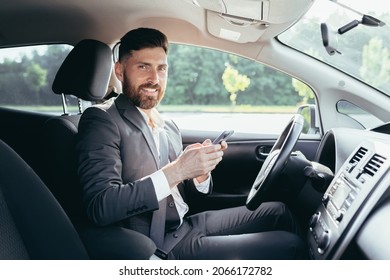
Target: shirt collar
x=155, y=116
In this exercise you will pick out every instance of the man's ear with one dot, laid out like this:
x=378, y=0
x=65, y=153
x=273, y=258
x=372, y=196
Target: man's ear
x=119, y=68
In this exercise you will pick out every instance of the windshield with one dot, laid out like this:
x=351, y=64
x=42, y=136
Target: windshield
x=361, y=51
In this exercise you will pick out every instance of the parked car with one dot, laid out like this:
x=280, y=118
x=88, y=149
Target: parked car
x=311, y=117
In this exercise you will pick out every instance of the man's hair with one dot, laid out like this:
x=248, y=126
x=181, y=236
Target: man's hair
x=138, y=39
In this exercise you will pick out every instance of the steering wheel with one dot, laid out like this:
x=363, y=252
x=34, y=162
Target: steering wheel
x=275, y=162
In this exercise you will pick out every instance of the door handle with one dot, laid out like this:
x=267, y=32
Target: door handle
x=263, y=151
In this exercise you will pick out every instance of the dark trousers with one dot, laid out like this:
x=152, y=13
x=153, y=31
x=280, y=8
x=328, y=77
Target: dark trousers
x=270, y=232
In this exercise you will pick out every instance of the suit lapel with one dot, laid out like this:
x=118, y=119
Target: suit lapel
x=129, y=112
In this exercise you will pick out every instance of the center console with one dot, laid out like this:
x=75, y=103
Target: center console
x=348, y=200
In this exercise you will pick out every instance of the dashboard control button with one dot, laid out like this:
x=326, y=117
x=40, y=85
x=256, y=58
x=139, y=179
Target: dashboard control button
x=314, y=219
x=325, y=199
x=323, y=242
x=339, y=216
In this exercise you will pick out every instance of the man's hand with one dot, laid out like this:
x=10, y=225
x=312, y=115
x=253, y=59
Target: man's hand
x=208, y=142
x=196, y=161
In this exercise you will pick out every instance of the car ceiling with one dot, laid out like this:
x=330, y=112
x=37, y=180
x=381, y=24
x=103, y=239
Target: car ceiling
x=183, y=21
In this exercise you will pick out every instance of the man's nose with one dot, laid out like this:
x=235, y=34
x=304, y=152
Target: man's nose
x=153, y=77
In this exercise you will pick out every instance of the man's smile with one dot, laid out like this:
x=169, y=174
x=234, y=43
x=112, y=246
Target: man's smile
x=149, y=91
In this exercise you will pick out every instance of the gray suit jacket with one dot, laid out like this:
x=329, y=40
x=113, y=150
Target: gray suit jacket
x=117, y=154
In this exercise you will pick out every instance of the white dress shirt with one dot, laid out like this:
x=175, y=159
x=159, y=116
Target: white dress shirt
x=159, y=180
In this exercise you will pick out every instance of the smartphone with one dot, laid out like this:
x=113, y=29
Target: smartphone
x=223, y=136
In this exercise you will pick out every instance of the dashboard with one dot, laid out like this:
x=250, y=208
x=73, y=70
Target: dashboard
x=355, y=208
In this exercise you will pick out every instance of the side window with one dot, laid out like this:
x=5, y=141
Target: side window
x=27, y=74
x=364, y=118
x=212, y=90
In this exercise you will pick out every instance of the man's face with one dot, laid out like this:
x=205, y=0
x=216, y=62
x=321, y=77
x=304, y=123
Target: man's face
x=144, y=76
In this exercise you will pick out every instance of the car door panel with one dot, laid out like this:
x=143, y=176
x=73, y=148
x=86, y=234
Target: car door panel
x=235, y=174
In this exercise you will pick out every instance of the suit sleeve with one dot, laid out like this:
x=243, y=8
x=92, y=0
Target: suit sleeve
x=107, y=198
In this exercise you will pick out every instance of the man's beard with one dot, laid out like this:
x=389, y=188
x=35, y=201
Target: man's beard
x=140, y=100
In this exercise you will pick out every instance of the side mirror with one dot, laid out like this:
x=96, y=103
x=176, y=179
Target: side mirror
x=308, y=111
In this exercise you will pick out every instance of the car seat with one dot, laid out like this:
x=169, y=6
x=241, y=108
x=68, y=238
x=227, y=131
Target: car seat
x=85, y=74
x=33, y=225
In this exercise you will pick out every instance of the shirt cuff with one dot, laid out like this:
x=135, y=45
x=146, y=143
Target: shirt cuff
x=204, y=186
x=160, y=184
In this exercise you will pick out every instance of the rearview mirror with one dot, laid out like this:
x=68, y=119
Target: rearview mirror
x=329, y=39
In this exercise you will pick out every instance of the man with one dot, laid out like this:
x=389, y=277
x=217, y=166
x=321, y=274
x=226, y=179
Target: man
x=135, y=174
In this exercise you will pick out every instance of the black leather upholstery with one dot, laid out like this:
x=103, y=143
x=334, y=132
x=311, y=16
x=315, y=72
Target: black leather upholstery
x=85, y=74
x=61, y=165
x=32, y=223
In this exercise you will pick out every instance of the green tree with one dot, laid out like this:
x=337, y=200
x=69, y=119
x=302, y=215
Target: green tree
x=303, y=90
x=51, y=61
x=234, y=82
x=29, y=78
x=375, y=66
x=35, y=76
x=193, y=73
x=195, y=78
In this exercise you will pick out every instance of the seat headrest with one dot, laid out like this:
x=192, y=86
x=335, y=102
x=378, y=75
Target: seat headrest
x=85, y=72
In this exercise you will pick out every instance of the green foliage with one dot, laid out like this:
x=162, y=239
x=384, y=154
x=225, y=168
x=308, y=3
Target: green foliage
x=27, y=80
x=194, y=74
x=234, y=82
x=376, y=63
x=35, y=76
x=195, y=78
x=304, y=91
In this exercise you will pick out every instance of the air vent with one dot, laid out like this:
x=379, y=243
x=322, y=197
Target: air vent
x=374, y=164
x=358, y=156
